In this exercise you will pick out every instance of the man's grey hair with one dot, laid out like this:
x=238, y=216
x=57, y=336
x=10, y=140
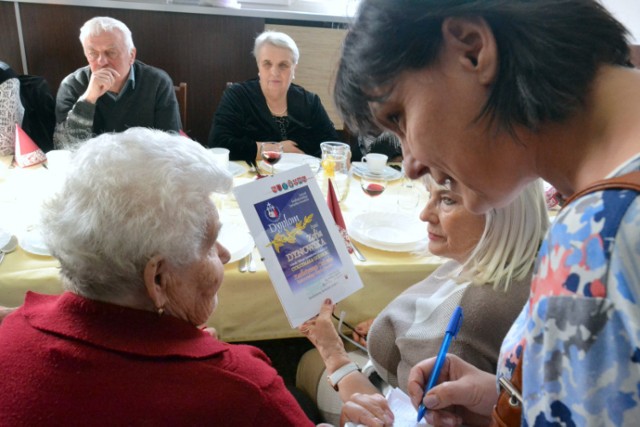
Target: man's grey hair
x=104, y=24
x=128, y=197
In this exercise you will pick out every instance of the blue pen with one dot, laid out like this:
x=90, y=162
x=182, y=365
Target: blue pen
x=452, y=331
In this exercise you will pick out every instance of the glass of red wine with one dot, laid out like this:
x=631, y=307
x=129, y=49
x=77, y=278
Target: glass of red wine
x=271, y=153
x=373, y=184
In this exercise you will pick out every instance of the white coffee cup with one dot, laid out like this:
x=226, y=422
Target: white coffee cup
x=376, y=162
x=220, y=156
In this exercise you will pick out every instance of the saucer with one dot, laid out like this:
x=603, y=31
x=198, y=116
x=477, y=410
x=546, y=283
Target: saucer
x=360, y=168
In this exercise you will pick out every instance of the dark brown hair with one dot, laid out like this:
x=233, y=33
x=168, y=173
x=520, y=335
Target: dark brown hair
x=549, y=52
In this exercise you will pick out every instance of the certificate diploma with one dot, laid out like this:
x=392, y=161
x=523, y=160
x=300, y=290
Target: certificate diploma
x=305, y=255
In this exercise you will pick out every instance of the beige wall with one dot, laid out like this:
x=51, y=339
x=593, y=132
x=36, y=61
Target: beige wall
x=319, y=54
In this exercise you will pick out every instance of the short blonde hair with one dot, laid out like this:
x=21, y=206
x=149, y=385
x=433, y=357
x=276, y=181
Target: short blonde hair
x=509, y=244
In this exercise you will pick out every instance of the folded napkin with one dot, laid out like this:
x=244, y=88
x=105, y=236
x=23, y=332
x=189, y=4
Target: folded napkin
x=552, y=197
x=334, y=208
x=27, y=152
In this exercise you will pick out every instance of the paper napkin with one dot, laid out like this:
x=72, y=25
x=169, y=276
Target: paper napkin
x=27, y=152
x=334, y=208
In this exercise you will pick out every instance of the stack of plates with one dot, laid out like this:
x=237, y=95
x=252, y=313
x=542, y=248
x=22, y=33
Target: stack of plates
x=32, y=242
x=395, y=232
x=237, y=240
x=5, y=236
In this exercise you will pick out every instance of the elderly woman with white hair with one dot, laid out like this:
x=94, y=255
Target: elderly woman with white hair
x=135, y=231
x=271, y=108
x=491, y=259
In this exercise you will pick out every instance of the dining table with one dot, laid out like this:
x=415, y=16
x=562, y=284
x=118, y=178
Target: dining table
x=248, y=306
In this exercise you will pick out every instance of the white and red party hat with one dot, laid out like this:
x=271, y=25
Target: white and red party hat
x=27, y=152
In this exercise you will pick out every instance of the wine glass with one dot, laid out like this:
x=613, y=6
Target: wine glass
x=408, y=195
x=373, y=184
x=271, y=152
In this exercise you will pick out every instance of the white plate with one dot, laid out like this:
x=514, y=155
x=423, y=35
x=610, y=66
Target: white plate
x=291, y=160
x=237, y=240
x=360, y=168
x=236, y=169
x=241, y=181
x=5, y=236
x=395, y=232
x=32, y=242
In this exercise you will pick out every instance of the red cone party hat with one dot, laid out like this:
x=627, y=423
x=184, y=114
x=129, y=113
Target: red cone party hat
x=334, y=208
x=27, y=152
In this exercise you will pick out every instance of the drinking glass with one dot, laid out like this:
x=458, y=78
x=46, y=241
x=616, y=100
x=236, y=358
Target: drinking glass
x=335, y=166
x=271, y=153
x=373, y=184
x=408, y=195
x=221, y=156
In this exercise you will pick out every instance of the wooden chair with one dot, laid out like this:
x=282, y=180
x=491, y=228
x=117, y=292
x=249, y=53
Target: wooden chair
x=635, y=55
x=181, y=94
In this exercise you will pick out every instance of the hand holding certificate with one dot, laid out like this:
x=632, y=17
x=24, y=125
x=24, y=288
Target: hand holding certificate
x=296, y=235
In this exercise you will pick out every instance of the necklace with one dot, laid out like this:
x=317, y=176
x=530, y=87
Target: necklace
x=277, y=114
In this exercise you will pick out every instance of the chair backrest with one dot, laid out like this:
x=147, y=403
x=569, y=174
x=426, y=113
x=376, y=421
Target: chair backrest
x=635, y=55
x=181, y=94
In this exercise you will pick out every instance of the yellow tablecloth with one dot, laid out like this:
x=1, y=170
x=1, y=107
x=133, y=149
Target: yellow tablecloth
x=248, y=307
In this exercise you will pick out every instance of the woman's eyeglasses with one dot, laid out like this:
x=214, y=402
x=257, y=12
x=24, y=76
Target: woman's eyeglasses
x=341, y=322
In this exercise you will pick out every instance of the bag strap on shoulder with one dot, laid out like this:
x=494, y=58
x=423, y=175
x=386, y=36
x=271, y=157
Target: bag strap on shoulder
x=630, y=181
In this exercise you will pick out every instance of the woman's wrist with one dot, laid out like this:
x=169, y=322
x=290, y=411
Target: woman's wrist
x=336, y=377
x=336, y=361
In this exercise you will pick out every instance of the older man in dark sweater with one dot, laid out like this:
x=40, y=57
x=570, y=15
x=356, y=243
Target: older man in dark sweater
x=115, y=91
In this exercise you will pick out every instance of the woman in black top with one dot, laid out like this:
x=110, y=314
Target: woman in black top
x=271, y=108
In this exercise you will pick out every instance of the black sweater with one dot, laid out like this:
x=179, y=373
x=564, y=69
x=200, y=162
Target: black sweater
x=242, y=118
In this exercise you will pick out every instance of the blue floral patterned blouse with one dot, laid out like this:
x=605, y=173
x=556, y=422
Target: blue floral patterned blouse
x=580, y=329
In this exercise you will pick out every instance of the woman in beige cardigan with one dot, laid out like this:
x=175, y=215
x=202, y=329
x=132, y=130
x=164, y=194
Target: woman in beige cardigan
x=488, y=274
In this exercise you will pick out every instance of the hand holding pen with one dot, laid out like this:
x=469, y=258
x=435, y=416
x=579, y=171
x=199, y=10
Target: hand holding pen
x=467, y=399
x=451, y=332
